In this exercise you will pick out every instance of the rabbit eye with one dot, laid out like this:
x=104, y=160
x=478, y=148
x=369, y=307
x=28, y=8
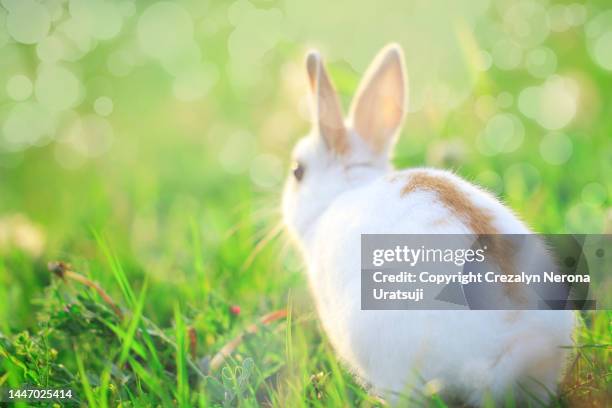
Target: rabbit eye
x=298, y=171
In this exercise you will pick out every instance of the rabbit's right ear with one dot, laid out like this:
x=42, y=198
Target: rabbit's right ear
x=327, y=111
x=378, y=108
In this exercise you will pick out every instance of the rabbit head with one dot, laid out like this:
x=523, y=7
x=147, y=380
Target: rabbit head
x=340, y=154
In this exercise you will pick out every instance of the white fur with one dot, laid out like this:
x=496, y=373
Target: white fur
x=471, y=354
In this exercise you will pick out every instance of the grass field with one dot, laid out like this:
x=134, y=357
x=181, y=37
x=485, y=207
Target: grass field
x=152, y=165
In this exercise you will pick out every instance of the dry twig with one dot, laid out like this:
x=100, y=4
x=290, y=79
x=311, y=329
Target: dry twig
x=63, y=270
x=229, y=348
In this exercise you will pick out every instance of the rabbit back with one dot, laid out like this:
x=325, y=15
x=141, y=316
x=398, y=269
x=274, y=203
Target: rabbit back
x=467, y=352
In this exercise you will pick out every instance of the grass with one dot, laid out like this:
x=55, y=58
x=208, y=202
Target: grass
x=80, y=340
x=177, y=224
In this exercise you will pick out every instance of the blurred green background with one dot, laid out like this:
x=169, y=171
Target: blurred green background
x=165, y=127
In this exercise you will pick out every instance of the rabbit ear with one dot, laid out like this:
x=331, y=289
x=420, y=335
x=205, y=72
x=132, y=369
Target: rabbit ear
x=378, y=108
x=328, y=113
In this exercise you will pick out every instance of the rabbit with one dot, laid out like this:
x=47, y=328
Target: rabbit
x=342, y=185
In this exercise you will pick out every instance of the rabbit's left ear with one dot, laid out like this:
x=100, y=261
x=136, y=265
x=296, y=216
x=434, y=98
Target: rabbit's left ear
x=378, y=108
x=327, y=111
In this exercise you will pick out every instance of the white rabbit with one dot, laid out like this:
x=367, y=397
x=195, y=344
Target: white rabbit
x=343, y=185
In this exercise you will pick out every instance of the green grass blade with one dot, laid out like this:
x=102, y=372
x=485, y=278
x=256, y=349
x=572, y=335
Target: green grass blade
x=89, y=394
x=117, y=270
x=182, y=383
x=133, y=326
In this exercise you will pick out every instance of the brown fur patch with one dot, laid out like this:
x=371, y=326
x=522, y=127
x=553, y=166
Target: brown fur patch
x=477, y=219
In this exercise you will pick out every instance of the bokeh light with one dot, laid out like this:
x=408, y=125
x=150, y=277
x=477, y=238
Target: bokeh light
x=57, y=88
x=51, y=49
x=505, y=100
x=19, y=87
x=562, y=17
x=27, y=124
x=101, y=19
x=267, y=171
x=526, y=23
x=4, y=35
x=541, y=62
x=154, y=26
x=603, y=50
x=553, y=105
x=507, y=54
x=28, y=21
x=248, y=43
x=599, y=39
x=556, y=148
x=103, y=106
x=503, y=133
x=193, y=82
x=594, y=194
x=499, y=90
x=90, y=136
